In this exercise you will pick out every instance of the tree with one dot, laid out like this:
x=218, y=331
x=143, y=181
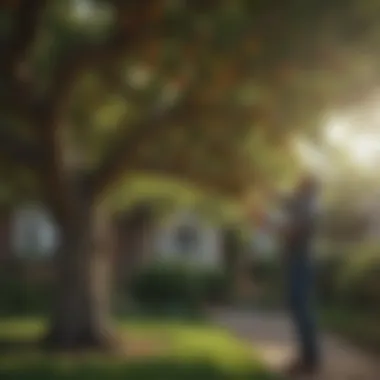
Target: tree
x=93, y=90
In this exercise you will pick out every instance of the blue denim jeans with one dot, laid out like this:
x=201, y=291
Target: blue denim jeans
x=301, y=302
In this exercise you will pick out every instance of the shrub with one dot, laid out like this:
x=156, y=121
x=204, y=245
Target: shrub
x=265, y=271
x=214, y=286
x=267, y=275
x=328, y=270
x=163, y=287
x=17, y=296
x=359, y=281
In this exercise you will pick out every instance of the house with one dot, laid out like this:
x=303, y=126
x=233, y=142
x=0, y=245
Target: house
x=186, y=237
x=30, y=239
x=29, y=233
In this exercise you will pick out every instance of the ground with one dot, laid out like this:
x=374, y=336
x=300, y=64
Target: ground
x=228, y=349
x=272, y=334
x=153, y=350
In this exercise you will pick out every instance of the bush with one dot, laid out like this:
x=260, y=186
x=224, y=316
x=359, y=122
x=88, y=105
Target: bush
x=351, y=278
x=17, y=296
x=328, y=271
x=214, y=286
x=359, y=281
x=267, y=275
x=163, y=287
x=265, y=271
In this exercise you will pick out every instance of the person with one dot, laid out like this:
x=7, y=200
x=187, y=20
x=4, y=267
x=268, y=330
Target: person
x=302, y=210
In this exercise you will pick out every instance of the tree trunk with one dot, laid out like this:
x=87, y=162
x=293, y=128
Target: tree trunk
x=81, y=318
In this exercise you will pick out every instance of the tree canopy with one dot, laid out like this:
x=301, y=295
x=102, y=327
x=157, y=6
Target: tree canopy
x=98, y=87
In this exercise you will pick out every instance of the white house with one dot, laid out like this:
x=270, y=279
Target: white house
x=33, y=233
x=188, y=238
x=266, y=242
x=184, y=236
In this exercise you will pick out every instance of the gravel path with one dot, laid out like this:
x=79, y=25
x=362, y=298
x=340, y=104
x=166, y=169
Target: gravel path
x=271, y=334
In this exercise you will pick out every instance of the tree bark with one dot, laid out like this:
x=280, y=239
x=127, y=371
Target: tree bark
x=81, y=318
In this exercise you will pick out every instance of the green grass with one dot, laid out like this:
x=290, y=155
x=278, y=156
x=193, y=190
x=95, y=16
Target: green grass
x=360, y=328
x=184, y=351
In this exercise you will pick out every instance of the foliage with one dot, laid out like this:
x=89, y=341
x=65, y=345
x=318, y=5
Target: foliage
x=21, y=297
x=166, y=196
x=361, y=328
x=167, y=287
x=264, y=270
x=328, y=271
x=105, y=69
x=359, y=284
x=184, y=351
x=166, y=368
x=348, y=277
x=215, y=286
x=267, y=275
x=350, y=208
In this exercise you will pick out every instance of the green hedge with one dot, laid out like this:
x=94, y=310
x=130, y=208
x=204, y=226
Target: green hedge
x=328, y=271
x=359, y=327
x=156, y=288
x=18, y=297
x=268, y=276
x=359, y=279
x=351, y=278
x=178, y=287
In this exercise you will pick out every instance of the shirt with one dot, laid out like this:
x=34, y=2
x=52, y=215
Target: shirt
x=302, y=211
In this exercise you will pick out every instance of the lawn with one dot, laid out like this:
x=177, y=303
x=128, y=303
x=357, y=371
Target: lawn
x=154, y=350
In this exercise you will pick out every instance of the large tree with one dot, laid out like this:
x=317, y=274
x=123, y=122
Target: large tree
x=95, y=89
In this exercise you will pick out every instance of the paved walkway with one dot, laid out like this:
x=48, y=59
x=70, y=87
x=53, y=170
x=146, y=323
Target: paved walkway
x=271, y=334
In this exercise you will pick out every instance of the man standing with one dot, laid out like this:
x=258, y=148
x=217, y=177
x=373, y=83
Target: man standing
x=299, y=233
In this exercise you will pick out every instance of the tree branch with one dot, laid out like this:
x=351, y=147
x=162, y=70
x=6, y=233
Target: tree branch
x=121, y=157
x=234, y=173
x=22, y=36
x=117, y=160
x=17, y=97
x=133, y=24
x=61, y=184
x=229, y=184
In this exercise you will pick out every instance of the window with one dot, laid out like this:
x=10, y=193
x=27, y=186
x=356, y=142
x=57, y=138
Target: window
x=187, y=239
x=34, y=234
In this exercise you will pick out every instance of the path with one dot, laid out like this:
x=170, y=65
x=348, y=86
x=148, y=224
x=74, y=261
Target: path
x=271, y=334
